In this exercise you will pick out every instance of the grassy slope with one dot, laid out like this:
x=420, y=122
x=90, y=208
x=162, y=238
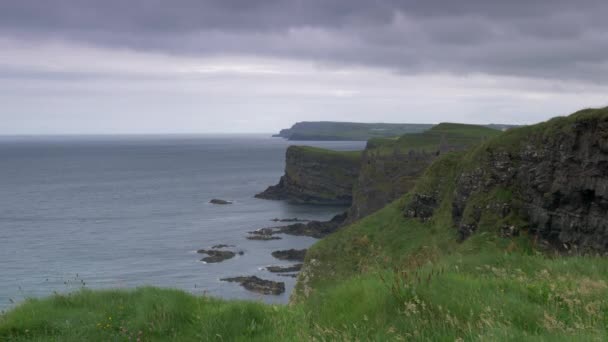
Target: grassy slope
x=383, y=278
x=325, y=154
x=458, y=135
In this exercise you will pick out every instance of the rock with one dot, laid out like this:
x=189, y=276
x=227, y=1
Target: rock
x=291, y=275
x=255, y=284
x=315, y=229
x=290, y=254
x=222, y=246
x=215, y=255
x=219, y=201
x=284, y=269
x=295, y=219
x=263, y=237
x=265, y=231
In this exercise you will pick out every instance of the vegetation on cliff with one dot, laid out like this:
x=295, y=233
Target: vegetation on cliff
x=407, y=272
x=391, y=167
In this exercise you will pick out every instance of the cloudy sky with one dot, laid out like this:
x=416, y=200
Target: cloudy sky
x=188, y=66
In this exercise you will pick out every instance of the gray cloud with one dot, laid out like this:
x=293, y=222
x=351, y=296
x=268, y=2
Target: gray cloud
x=556, y=39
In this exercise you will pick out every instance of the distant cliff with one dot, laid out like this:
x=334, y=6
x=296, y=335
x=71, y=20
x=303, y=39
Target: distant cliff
x=391, y=167
x=316, y=176
x=327, y=130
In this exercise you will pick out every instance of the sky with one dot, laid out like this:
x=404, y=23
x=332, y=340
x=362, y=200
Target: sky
x=208, y=66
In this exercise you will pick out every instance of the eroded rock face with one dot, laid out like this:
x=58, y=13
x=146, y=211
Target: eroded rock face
x=315, y=178
x=555, y=176
x=255, y=284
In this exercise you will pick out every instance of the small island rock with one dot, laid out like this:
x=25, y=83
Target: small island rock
x=255, y=284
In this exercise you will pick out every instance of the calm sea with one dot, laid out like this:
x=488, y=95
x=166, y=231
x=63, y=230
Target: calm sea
x=127, y=211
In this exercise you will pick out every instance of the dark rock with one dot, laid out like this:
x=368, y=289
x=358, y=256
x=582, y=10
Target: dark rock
x=222, y=246
x=295, y=219
x=422, y=206
x=265, y=231
x=291, y=275
x=219, y=201
x=215, y=255
x=290, y=254
x=315, y=229
x=263, y=237
x=255, y=284
x=284, y=269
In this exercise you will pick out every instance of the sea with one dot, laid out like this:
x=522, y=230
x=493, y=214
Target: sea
x=120, y=212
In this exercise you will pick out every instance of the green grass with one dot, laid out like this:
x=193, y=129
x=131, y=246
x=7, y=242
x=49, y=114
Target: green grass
x=317, y=153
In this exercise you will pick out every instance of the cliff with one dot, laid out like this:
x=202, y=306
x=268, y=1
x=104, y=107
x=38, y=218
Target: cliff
x=317, y=176
x=549, y=180
x=390, y=167
x=328, y=130
x=488, y=222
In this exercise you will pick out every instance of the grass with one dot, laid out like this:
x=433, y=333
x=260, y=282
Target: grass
x=322, y=153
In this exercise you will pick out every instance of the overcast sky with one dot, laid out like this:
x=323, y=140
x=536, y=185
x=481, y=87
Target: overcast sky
x=188, y=66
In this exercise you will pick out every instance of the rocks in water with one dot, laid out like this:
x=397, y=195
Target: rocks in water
x=255, y=284
x=315, y=229
x=263, y=237
x=216, y=256
x=295, y=219
x=219, y=201
x=291, y=275
x=284, y=269
x=290, y=254
x=222, y=246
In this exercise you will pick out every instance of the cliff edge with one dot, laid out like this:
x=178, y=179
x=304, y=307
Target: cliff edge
x=316, y=176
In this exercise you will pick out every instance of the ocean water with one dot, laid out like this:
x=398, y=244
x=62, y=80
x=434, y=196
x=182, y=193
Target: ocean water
x=128, y=211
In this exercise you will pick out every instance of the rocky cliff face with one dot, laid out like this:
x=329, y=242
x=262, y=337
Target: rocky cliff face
x=390, y=168
x=384, y=178
x=316, y=176
x=549, y=179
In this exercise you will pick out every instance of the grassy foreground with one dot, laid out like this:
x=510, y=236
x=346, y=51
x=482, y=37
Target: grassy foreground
x=383, y=278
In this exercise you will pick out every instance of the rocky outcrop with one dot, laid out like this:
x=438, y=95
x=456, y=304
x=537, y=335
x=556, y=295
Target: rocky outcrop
x=549, y=179
x=219, y=201
x=284, y=269
x=290, y=254
x=215, y=255
x=255, y=284
x=316, y=176
x=262, y=237
x=315, y=229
